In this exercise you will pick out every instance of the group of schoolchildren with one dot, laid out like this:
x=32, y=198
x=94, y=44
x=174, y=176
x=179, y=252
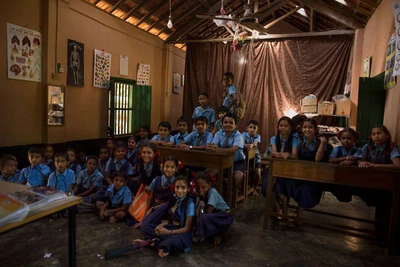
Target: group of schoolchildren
x=298, y=138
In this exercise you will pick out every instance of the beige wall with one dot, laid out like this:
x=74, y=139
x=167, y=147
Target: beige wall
x=375, y=38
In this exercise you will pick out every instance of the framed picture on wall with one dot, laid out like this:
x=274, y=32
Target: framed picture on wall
x=55, y=105
x=177, y=83
x=75, y=69
x=367, y=67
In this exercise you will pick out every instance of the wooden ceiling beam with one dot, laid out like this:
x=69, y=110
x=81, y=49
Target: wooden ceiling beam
x=95, y=2
x=180, y=18
x=204, y=3
x=312, y=18
x=351, y=23
x=115, y=6
x=287, y=14
x=337, y=7
x=370, y=3
x=130, y=12
x=156, y=8
x=269, y=9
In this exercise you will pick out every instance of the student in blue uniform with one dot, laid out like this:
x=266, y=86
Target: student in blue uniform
x=118, y=199
x=215, y=219
x=37, y=173
x=162, y=186
x=308, y=194
x=298, y=121
x=230, y=95
x=230, y=140
x=163, y=138
x=283, y=146
x=110, y=146
x=104, y=157
x=253, y=139
x=222, y=111
x=198, y=139
x=62, y=178
x=72, y=164
x=148, y=166
x=81, y=160
x=346, y=154
x=48, y=157
x=89, y=180
x=118, y=163
x=131, y=152
x=169, y=228
x=205, y=111
x=144, y=135
x=183, y=124
x=9, y=171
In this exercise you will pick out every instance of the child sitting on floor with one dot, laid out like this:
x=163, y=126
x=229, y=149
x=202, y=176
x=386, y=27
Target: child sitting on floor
x=144, y=135
x=163, y=138
x=222, y=111
x=215, y=219
x=8, y=168
x=118, y=199
x=72, y=164
x=62, y=178
x=110, y=146
x=205, y=111
x=169, y=228
x=37, y=173
x=198, y=139
x=118, y=163
x=131, y=152
x=104, y=156
x=89, y=180
x=253, y=139
x=48, y=157
x=81, y=160
x=182, y=124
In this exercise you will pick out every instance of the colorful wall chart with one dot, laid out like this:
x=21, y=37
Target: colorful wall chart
x=102, y=69
x=143, y=74
x=24, y=53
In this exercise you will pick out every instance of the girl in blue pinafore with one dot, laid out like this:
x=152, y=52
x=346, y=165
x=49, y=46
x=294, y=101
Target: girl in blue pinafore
x=214, y=220
x=169, y=228
x=380, y=153
x=308, y=194
x=162, y=187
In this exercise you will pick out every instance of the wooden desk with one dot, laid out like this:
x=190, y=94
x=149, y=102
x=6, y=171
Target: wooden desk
x=250, y=168
x=204, y=159
x=38, y=213
x=388, y=180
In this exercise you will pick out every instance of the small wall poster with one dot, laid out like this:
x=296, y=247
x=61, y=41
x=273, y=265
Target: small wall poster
x=396, y=12
x=389, y=80
x=177, y=83
x=143, y=74
x=123, y=65
x=24, y=53
x=75, y=70
x=367, y=67
x=102, y=69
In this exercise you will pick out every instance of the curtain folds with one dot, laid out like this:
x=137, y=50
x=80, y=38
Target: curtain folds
x=273, y=75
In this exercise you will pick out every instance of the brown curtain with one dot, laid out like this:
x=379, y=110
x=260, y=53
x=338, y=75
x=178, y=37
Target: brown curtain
x=273, y=75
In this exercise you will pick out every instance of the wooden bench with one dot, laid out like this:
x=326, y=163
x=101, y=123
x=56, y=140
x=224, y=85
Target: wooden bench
x=388, y=180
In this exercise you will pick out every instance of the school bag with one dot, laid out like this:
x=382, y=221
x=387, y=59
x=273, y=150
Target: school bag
x=239, y=107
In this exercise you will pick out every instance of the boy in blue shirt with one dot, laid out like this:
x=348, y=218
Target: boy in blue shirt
x=118, y=163
x=230, y=140
x=230, y=90
x=37, y=173
x=198, y=139
x=89, y=180
x=205, y=111
x=8, y=168
x=62, y=178
x=118, y=199
x=183, y=124
x=252, y=139
x=163, y=138
x=72, y=164
x=222, y=111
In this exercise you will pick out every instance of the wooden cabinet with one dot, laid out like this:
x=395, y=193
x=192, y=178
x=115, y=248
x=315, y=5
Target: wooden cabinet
x=371, y=105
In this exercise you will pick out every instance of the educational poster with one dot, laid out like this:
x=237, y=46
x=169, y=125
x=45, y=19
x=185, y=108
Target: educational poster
x=389, y=81
x=396, y=11
x=102, y=69
x=123, y=65
x=367, y=67
x=75, y=68
x=24, y=53
x=143, y=74
x=177, y=83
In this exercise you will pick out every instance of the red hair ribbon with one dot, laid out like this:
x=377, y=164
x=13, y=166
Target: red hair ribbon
x=213, y=179
x=180, y=166
x=192, y=186
x=157, y=154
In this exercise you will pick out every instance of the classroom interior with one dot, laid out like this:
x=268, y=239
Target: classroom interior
x=86, y=123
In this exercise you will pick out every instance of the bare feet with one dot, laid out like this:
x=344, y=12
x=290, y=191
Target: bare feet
x=112, y=219
x=217, y=240
x=162, y=254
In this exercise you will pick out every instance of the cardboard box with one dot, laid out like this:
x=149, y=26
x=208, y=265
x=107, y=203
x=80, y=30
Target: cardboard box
x=326, y=108
x=343, y=107
x=309, y=105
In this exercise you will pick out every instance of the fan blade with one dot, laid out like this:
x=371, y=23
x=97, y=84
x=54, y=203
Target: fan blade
x=215, y=17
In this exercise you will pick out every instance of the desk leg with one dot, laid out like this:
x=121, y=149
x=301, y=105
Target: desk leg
x=220, y=180
x=230, y=187
x=394, y=236
x=72, y=236
x=268, y=199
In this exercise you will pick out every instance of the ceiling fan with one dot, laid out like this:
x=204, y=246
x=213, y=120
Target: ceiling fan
x=247, y=22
